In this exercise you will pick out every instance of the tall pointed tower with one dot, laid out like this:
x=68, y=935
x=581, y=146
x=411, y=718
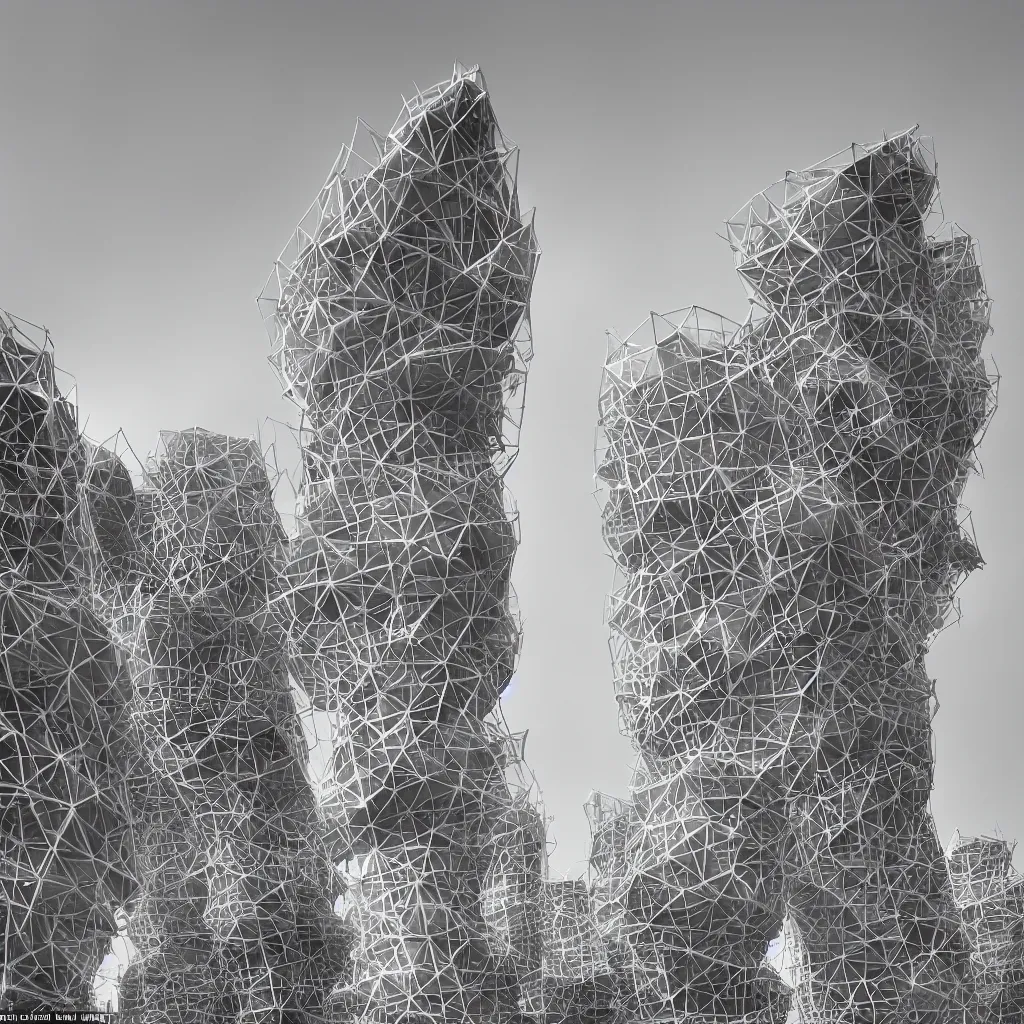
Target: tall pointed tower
x=400, y=319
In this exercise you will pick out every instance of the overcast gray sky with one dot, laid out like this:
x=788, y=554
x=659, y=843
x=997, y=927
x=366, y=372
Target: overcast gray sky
x=154, y=158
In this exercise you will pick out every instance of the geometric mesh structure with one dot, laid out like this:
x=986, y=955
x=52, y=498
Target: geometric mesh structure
x=578, y=976
x=783, y=509
x=990, y=895
x=233, y=920
x=400, y=320
x=65, y=865
x=153, y=761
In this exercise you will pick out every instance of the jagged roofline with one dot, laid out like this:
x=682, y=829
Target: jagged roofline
x=413, y=113
x=797, y=183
